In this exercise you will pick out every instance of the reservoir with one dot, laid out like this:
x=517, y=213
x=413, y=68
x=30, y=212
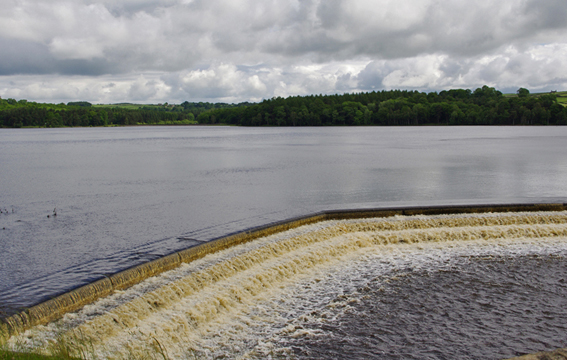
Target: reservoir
x=80, y=204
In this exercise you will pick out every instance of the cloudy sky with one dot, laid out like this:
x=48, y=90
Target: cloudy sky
x=150, y=51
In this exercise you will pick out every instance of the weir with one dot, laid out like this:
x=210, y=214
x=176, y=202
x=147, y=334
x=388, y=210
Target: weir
x=235, y=280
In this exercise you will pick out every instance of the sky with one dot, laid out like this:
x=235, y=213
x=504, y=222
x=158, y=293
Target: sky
x=155, y=51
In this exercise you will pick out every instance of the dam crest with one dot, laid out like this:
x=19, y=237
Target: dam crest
x=221, y=297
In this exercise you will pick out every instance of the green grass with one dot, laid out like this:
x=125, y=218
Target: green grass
x=130, y=106
x=122, y=106
x=562, y=97
x=78, y=347
x=8, y=355
x=173, y=122
x=559, y=93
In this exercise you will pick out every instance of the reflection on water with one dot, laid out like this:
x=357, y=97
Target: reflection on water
x=126, y=195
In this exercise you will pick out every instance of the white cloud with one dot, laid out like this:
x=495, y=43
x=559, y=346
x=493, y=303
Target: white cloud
x=540, y=67
x=69, y=48
x=250, y=49
x=148, y=88
x=142, y=89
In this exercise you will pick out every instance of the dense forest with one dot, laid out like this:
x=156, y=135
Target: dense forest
x=483, y=106
x=24, y=113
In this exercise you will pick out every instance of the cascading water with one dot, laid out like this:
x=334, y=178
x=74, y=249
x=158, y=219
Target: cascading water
x=267, y=297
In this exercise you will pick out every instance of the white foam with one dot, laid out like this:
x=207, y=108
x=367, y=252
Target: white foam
x=242, y=301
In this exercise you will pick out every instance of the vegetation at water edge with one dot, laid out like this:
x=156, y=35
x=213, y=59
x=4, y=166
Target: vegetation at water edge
x=483, y=106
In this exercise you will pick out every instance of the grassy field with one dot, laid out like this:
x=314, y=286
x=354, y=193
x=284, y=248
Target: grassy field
x=128, y=106
x=561, y=96
x=176, y=122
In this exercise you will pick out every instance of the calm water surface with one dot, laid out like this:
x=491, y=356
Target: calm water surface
x=127, y=195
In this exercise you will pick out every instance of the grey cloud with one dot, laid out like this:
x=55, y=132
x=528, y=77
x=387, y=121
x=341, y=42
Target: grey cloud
x=210, y=49
x=458, y=27
x=142, y=90
x=26, y=57
x=453, y=68
x=168, y=35
x=540, y=68
x=329, y=12
x=343, y=83
x=547, y=14
x=372, y=76
x=493, y=69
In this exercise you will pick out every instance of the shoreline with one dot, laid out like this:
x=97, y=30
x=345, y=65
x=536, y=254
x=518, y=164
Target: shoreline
x=559, y=354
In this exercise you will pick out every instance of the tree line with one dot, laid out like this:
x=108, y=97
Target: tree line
x=483, y=106
x=23, y=113
x=30, y=114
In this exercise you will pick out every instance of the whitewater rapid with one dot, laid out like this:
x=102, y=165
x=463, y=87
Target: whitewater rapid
x=255, y=300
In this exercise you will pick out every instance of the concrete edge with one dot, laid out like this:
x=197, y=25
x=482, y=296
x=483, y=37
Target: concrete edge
x=559, y=354
x=73, y=300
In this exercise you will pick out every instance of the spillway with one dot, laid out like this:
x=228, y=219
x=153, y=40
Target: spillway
x=257, y=299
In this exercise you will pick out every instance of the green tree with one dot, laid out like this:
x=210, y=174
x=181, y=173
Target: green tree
x=523, y=92
x=280, y=116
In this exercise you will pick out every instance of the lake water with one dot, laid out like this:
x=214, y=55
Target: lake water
x=128, y=195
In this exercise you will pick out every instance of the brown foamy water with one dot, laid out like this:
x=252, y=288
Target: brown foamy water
x=480, y=286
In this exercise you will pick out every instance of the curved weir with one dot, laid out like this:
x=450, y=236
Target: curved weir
x=235, y=287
